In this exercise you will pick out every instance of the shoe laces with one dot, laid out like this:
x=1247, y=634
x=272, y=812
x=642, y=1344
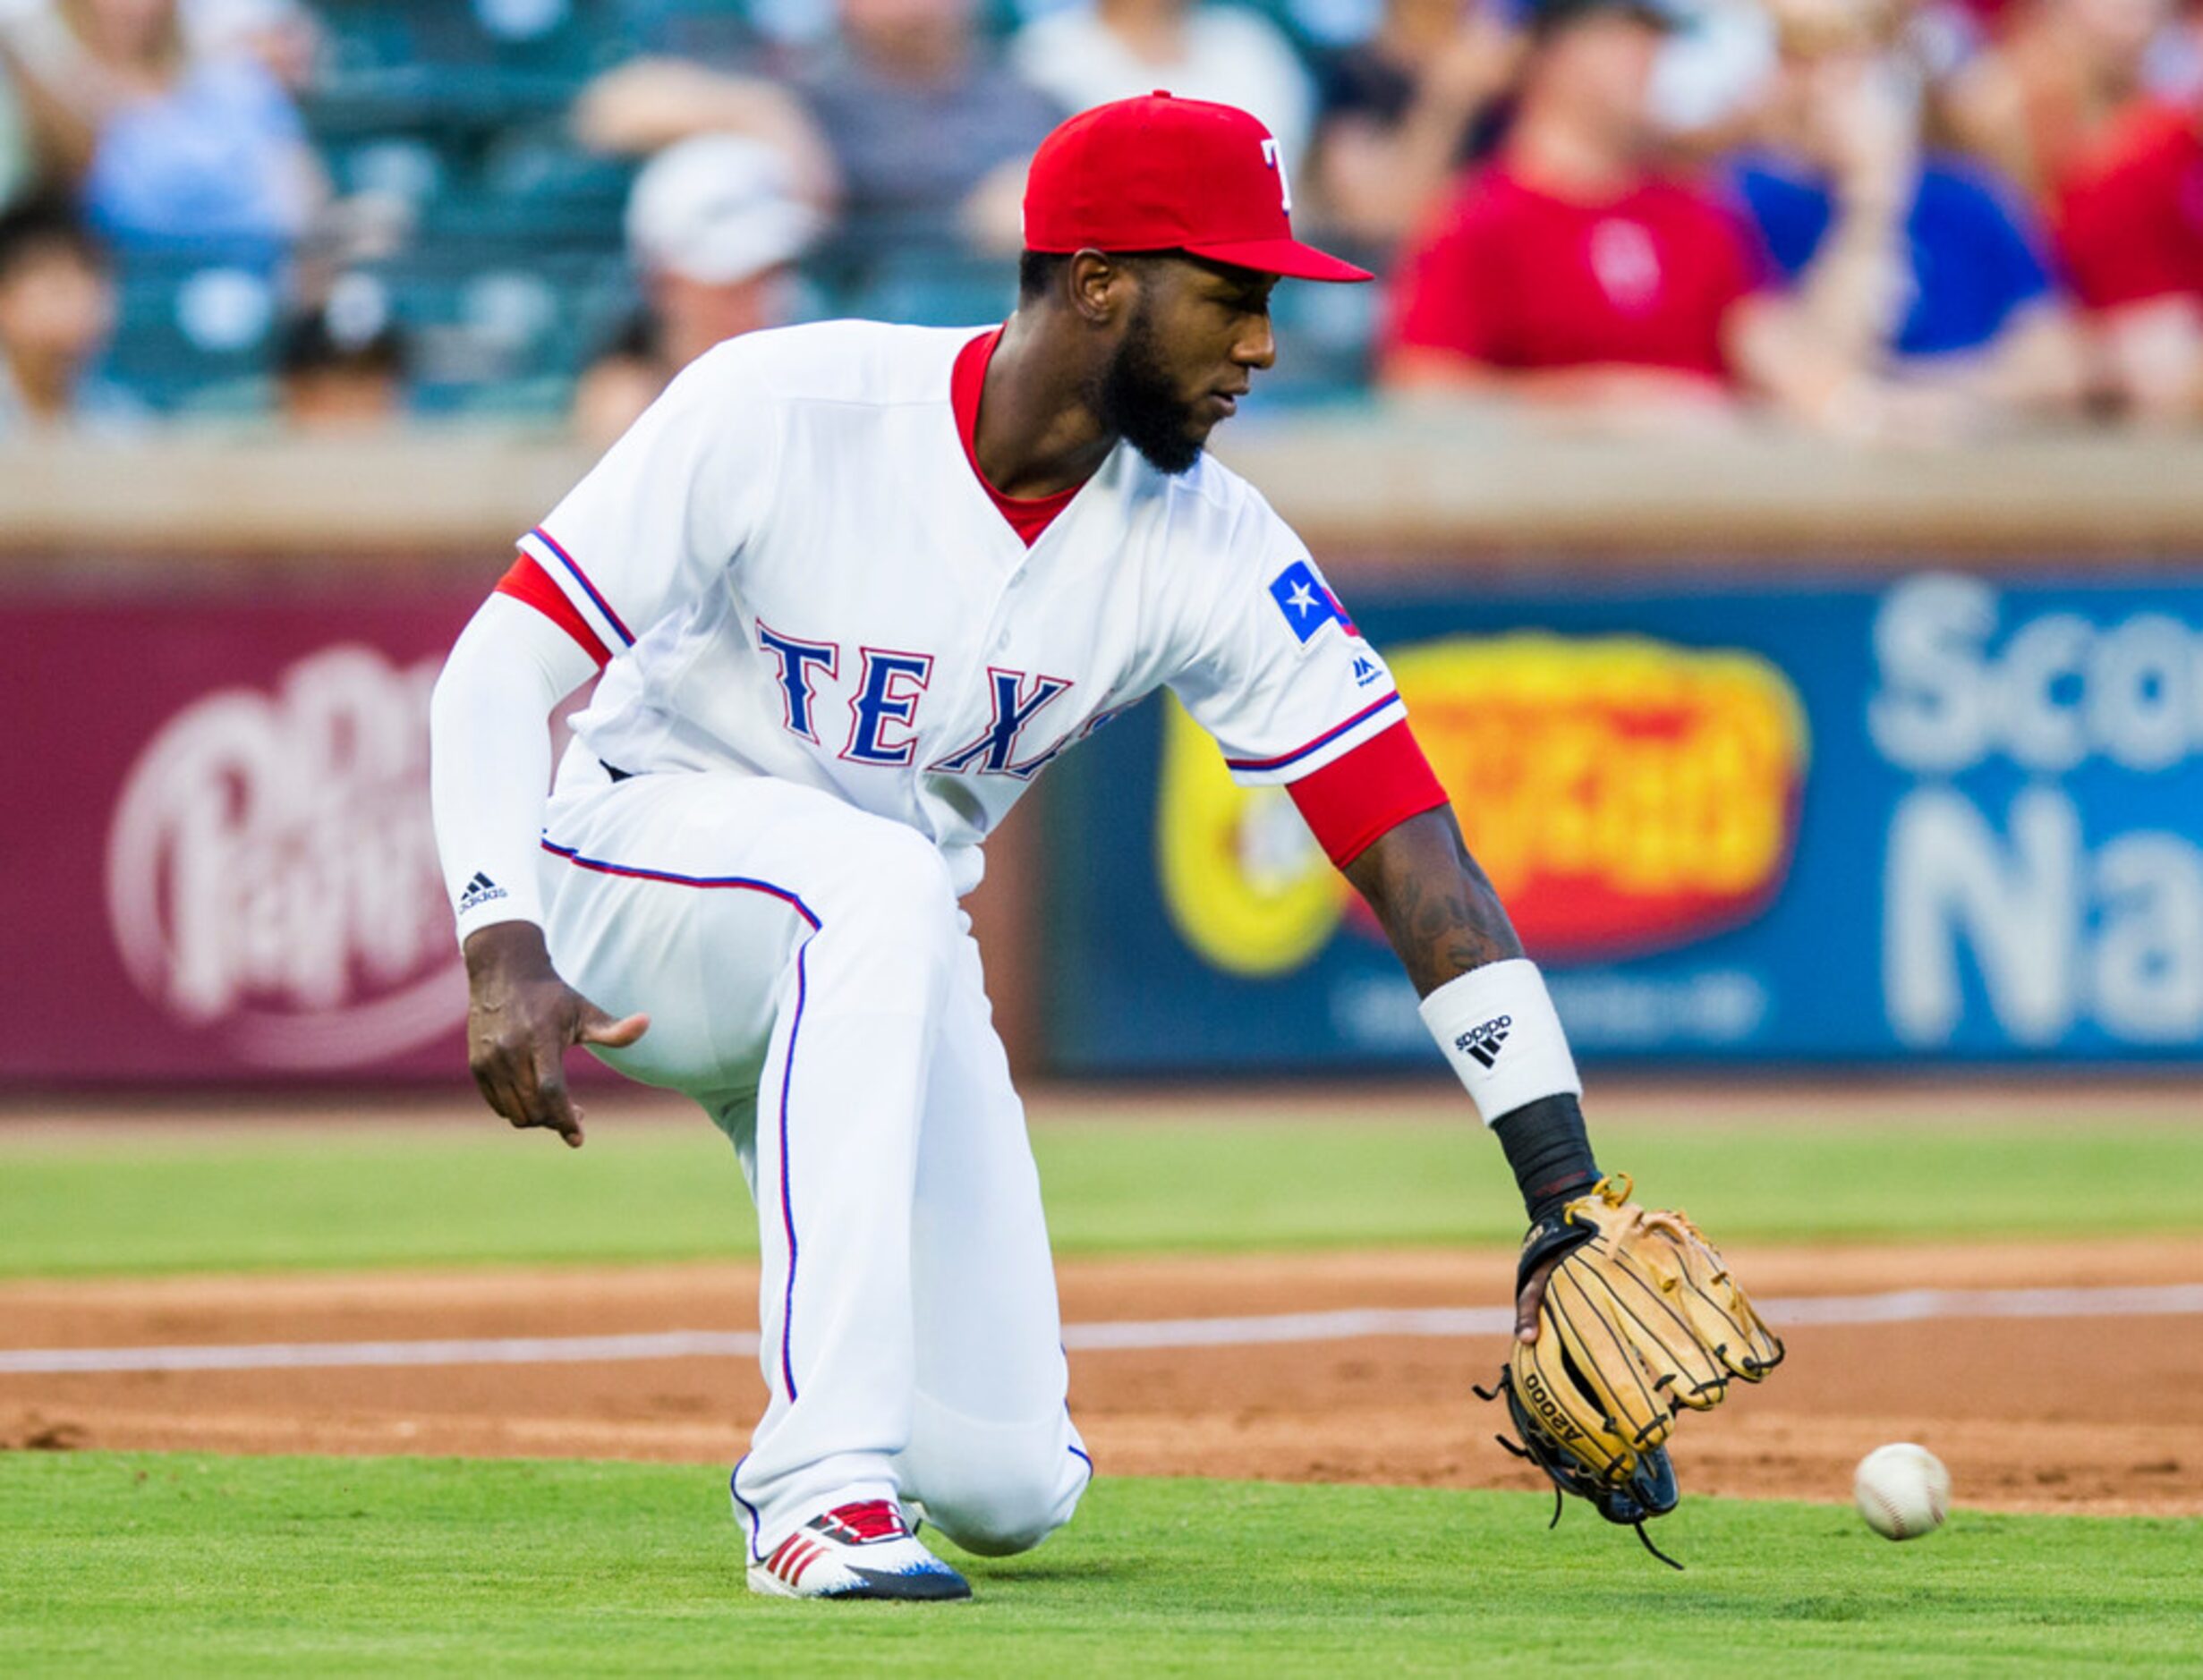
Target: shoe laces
x=869, y=1519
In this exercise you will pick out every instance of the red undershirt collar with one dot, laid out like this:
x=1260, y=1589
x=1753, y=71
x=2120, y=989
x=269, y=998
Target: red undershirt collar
x=1028, y=516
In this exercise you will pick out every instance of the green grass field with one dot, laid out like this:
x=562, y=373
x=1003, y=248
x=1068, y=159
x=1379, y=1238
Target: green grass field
x=130, y=1563
x=139, y=1564
x=295, y=1198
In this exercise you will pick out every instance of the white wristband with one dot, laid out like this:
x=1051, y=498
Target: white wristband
x=1502, y=1035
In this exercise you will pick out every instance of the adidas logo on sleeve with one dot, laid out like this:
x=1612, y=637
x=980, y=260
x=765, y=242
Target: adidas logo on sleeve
x=479, y=890
x=1483, y=1041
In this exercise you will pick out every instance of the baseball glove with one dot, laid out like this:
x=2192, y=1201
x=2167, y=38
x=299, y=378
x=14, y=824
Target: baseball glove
x=1640, y=1319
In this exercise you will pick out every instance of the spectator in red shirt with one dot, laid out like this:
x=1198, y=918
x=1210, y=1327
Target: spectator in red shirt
x=2041, y=99
x=1569, y=270
x=2130, y=231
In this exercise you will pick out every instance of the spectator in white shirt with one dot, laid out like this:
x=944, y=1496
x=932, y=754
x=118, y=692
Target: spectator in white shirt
x=713, y=226
x=1119, y=49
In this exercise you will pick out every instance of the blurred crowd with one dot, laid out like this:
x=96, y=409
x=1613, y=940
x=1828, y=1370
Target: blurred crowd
x=1888, y=219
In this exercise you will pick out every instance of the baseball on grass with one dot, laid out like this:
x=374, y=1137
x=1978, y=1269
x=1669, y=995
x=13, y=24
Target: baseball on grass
x=1903, y=1491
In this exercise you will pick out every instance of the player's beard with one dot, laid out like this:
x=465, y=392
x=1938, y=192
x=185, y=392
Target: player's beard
x=1136, y=399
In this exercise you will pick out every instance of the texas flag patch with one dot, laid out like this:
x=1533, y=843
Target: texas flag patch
x=1307, y=605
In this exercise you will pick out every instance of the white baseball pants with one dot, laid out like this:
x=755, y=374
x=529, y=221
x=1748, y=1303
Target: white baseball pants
x=811, y=981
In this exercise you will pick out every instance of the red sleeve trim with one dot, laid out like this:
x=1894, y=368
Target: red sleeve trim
x=1360, y=796
x=527, y=582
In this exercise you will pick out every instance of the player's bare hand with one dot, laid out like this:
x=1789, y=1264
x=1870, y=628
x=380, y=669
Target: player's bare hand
x=521, y=1019
x=1532, y=1300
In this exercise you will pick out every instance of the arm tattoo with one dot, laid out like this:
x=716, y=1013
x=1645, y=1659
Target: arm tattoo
x=1434, y=902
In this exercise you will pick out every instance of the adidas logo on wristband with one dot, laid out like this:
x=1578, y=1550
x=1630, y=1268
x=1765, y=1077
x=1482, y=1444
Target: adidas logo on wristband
x=1501, y=1006
x=1484, y=1042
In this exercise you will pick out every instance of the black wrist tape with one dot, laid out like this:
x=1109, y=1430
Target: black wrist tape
x=1551, y=1155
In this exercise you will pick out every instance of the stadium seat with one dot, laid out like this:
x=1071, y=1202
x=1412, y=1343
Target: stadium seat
x=193, y=334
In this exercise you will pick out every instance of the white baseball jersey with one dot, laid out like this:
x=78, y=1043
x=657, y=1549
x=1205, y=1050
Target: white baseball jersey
x=833, y=663
x=799, y=575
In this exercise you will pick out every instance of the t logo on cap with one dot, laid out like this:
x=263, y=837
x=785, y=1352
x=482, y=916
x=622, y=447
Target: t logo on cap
x=1276, y=160
x=1160, y=174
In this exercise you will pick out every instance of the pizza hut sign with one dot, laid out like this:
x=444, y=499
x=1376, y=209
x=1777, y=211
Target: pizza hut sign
x=271, y=873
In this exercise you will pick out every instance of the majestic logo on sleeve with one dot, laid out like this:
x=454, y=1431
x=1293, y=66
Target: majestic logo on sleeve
x=1484, y=1042
x=1307, y=605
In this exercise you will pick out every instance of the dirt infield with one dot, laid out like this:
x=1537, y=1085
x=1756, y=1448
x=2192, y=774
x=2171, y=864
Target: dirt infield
x=2072, y=1413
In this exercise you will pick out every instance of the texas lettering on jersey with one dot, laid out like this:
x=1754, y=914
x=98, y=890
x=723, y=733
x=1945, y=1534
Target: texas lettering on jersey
x=883, y=706
x=1018, y=698
x=792, y=567
x=890, y=692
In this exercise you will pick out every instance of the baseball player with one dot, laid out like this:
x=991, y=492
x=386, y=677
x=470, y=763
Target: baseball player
x=849, y=589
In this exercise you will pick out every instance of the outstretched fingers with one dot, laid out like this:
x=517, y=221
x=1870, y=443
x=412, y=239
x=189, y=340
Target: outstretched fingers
x=548, y=1103
x=521, y=1019
x=521, y=1075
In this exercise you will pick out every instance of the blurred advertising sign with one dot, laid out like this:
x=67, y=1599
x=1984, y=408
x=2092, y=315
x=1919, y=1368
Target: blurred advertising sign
x=1943, y=817
x=1628, y=796
x=220, y=864
x=2044, y=865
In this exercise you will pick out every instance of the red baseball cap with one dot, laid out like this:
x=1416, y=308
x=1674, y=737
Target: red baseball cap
x=1160, y=174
